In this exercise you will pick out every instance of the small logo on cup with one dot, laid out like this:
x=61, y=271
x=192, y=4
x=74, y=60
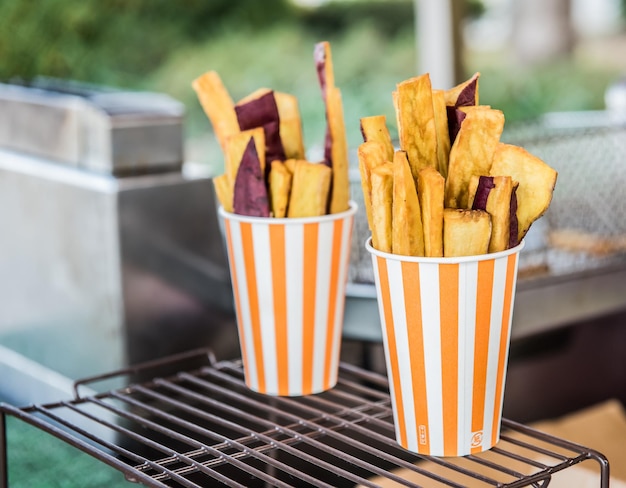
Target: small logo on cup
x=423, y=439
x=477, y=439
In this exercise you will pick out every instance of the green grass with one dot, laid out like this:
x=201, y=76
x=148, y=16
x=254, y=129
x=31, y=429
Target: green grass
x=37, y=459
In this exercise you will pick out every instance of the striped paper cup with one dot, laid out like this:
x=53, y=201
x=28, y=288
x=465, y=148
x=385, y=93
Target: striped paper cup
x=446, y=330
x=289, y=279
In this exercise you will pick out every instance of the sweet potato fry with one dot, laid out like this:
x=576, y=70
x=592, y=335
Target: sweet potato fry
x=442, y=131
x=336, y=144
x=464, y=94
x=324, y=64
x=250, y=193
x=472, y=152
x=370, y=155
x=493, y=194
x=382, y=201
x=340, y=190
x=416, y=122
x=290, y=125
x=236, y=146
x=280, y=188
x=430, y=191
x=407, y=231
x=309, y=189
x=374, y=128
x=260, y=110
x=217, y=104
x=290, y=164
x=535, y=178
x=465, y=232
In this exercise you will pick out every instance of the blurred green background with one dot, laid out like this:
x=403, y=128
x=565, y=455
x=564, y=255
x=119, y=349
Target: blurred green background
x=163, y=45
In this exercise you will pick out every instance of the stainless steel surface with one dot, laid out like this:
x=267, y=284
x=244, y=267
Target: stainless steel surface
x=203, y=426
x=97, y=129
x=97, y=271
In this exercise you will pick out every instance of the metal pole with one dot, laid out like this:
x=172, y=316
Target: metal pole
x=4, y=456
x=438, y=38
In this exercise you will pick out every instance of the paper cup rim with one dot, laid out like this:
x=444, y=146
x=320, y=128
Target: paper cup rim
x=441, y=260
x=353, y=207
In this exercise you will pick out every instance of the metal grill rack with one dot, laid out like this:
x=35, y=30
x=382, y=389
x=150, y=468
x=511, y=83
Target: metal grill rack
x=203, y=427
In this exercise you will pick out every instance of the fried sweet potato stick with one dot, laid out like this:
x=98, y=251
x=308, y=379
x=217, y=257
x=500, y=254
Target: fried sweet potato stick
x=472, y=152
x=250, y=193
x=374, y=128
x=442, y=131
x=493, y=194
x=370, y=155
x=382, y=200
x=290, y=125
x=464, y=94
x=217, y=104
x=335, y=145
x=407, y=231
x=280, y=188
x=236, y=146
x=259, y=109
x=416, y=122
x=465, y=232
x=535, y=178
x=309, y=189
x=430, y=191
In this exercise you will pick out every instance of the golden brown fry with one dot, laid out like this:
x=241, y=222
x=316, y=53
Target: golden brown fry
x=309, y=189
x=498, y=205
x=217, y=104
x=416, y=122
x=290, y=125
x=370, y=154
x=224, y=191
x=374, y=128
x=452, y=95
x=340, y=197
x=465, y=232
x=443, y=134
x=535, y=178
x=280, y=187
x=430, y=191
x=323, y=57
x=472, y=152
x=407, y=231
x=382, y=201
x=235, y=147
x=290, y=164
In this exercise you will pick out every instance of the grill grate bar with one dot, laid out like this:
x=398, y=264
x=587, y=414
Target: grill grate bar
x=132, y=435
x=389, y=442
x=205, y=426
x=261, y=437
x=188, y=440
x=309, y=438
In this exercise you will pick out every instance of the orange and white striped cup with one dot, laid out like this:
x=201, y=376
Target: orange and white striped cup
x=446, y=331
x=289, y=279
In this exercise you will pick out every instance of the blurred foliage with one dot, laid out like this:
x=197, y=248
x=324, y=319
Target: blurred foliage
x=474, y=8
x=389, y=16
x=115, y=41
x=163, y=45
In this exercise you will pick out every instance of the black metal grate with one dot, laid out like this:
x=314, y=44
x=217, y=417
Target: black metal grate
x=204, y=427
